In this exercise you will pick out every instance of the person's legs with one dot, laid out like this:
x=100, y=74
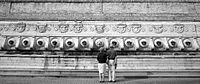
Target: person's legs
x=100, y=77
x=104, y=71
x=111, y=70
x=113, y=73
x=100, y=71
x=103, y=77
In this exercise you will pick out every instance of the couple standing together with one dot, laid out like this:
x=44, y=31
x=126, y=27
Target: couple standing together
x=110, y=59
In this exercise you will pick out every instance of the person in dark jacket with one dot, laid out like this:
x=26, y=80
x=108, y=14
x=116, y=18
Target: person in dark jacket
x=101, y=58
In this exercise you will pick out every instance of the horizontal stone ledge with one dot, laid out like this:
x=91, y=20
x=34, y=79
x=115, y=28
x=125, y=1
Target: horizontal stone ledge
x=91, y=70
x=96, y=75
x=51, y=17
x=107, y=1
x=94, y=56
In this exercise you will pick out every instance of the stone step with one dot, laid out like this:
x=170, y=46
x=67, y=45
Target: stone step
x=90, y=62
x=94, y=73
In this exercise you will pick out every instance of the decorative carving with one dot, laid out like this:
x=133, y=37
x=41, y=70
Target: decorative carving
x=136, y=28
x=197, y=28
x=63, y=28
x=25, y=42
x=69, y=43
x=32, y=27
x=11, y=42
x=143, y=43
x=179, y=28
x=1, y=27
x=171, y=29
x=187, y=43
x=20, y=27
x=100, y=28
x=121, y=28
x=158, y=43
x=158, y=28
x=193, y=29
x=143, y=30
x=12, y=27
x=55, y=42
x=172, y=43
x=106, y=29
x=99, y=43
x=78, y=28
x=6, y=27
x=41, y=28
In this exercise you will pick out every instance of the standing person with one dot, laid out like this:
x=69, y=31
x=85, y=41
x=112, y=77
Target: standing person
x=112, y=63
x=101, y=58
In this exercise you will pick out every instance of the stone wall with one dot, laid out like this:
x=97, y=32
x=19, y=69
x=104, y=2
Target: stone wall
x=179, y=10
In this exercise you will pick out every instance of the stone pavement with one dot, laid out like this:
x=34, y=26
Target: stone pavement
x=54, y=80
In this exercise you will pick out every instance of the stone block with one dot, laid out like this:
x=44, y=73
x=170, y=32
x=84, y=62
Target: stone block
x=4, y=8
x=105, y=0
x=197, y=7
x=167, y=8
x=55, y=8
x=125, y=8
x=154, y=8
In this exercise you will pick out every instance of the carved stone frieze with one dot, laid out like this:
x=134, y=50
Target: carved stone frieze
x=118, y=28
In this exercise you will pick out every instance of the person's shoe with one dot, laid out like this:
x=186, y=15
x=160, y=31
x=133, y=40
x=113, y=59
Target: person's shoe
x=110, y=81
x=100, y=81
x=114, y=81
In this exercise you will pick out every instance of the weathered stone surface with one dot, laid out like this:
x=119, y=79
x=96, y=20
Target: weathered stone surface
x=56, y=8
x=125, y=8
x=103, y=11
x=103, y=0
x=167, y=8
x=4, y=8
x=197, y=8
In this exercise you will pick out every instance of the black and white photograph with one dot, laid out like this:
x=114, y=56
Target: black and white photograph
x=99, y=41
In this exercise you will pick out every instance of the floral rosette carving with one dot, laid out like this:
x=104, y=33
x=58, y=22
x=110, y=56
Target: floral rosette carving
x=179, y=28
x=158, y=28
x=100, y=28
x=63, y=28
x=78, y=28
x=20, y=27
x=121, y=28
x=41, y=28
x=136, y=28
